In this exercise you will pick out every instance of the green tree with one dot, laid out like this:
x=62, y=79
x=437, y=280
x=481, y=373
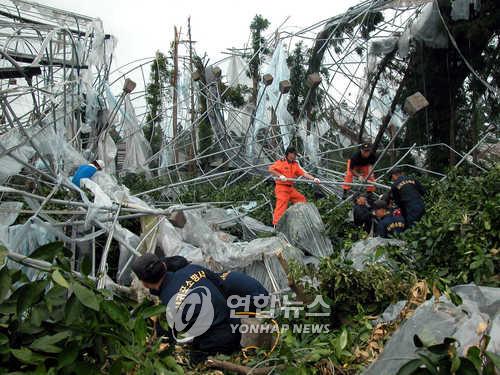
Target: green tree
x=156, y=97
x=205, y=132
x=296, y=64
x=258, y=25
x=460, y=106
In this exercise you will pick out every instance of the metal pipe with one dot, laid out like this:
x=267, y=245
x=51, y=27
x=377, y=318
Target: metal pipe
x=104, y=257
x=326, y=182
x=399, y=161
x=46, y=266
x=385, y=149
x=473, y=148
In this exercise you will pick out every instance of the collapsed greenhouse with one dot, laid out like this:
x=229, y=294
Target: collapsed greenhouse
x=174, y=123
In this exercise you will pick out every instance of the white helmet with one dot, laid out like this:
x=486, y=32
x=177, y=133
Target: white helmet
x=100, y=163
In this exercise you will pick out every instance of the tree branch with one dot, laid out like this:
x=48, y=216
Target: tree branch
x=381, y=68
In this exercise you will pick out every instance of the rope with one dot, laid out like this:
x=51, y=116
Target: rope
x=255, y=347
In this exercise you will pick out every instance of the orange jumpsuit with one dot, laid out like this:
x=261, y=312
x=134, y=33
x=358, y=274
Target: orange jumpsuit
x=284, y=190
x=364, y=170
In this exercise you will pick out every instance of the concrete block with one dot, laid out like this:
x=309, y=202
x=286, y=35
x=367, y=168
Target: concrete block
x=128, y=86
x=285, y=86
x=267, y=79
x=415, y=103
x=313, y=80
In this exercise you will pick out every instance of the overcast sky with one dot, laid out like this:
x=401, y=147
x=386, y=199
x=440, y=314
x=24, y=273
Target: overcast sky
x=145, y=26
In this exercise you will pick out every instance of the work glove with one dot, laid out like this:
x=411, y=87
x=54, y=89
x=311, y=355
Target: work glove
x=282, y=178
x=316, y=179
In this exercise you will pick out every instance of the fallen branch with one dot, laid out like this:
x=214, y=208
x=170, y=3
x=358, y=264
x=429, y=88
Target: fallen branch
x=297, y=288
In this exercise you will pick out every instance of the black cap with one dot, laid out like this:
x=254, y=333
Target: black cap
x=290, y=150
x=366, y=146
x=359, y=195
x=149, y=268
x=380, y=204
x=396, y=170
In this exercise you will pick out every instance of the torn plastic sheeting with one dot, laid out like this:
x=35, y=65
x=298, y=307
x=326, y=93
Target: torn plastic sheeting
x=123, y=235
x=433, y=321
x=236, y=72
x=310, y=140
x=488, y=298
x=217, y=215
x=35, y=205
x=138, y=149
x=101, y=199
x=266, y=248
x=302, y=225
x=198, y=243
x=10, y=166
x=198, y=233
x=363, y=252
x=256, y=225
x=494, y=333
x=237, y=121
x=116, y=192
x=23, y=240
x=390, y=313
x=429, y=29
x=460, y=9
x=8, y=218
x=102, y=48
x=4, y=235
x=106, y=151
x=382, y=47
x=50, y=142
x=61, y=236
x=262, y=121
x=252, y=228
x=278, y=68
x=404, y=44
x=226, y=237
x=103, y=187
x=249, y=206
x=171, y=243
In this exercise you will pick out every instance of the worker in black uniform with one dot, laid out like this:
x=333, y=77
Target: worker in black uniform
x=241, y=285
x=175, y=287
x=407, y=193
x=362, y=214
x=360, y=166
x=388, y=225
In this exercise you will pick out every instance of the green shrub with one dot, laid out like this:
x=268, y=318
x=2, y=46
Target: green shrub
x=458, y=238
x=60, y=324
x=373, y=288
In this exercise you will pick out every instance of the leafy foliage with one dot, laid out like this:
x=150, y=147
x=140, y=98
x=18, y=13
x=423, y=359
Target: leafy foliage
x=258, y=25
x=234, y=95
x=47, y=329
x=458, y=238
x=296, y=64
x=443, y=359
x=155, y=97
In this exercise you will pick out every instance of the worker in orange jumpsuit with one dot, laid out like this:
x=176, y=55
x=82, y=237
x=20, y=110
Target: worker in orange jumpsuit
x=284, y=190
x=359, y=165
